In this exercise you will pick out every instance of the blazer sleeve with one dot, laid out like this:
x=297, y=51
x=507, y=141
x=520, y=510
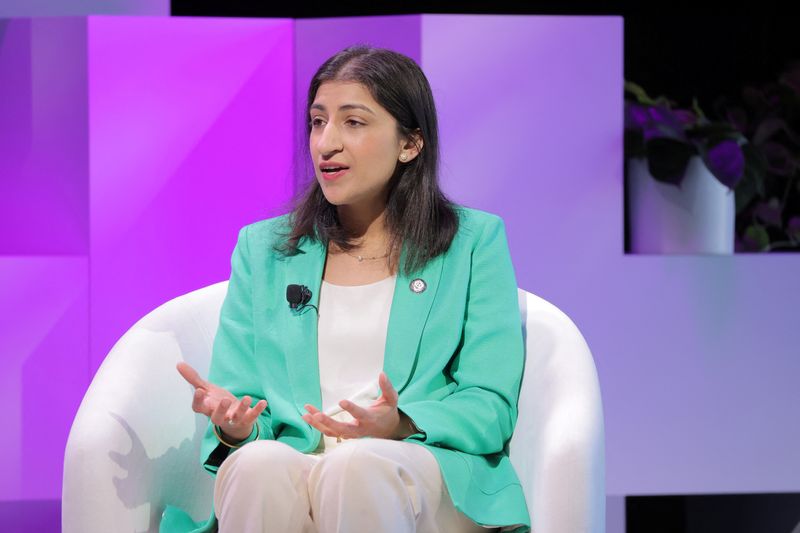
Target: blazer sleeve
x=233, y=365
x=480, y=413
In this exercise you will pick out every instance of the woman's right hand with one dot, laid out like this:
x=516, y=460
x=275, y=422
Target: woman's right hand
x=235, y=417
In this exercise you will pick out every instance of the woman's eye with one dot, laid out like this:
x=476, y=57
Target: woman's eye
x=315, y=122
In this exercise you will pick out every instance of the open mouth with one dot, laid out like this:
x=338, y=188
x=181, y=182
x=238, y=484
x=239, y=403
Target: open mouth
x=330, y=173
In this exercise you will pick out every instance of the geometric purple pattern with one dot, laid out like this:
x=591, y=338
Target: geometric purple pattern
x=73, y=8
x=697, y=355
x=44, y=344
x=44, y=154
x=190, y=126
x=168, y=135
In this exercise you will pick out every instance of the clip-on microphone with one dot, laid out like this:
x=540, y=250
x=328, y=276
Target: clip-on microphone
x=298, y=296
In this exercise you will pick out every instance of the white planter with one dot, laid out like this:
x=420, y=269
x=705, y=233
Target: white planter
x=697, y=218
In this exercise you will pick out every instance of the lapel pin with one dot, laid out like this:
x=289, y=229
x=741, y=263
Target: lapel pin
x=418, y=285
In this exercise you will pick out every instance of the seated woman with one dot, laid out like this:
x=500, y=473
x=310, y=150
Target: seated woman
x=392, y=290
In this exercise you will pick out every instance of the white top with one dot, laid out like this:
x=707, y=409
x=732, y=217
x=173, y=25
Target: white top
x=351, y=338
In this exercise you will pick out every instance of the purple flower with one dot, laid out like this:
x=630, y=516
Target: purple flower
x=664, y=123
x=726, y=161
x=654, y=122
x=685, y=117
x=636, y=116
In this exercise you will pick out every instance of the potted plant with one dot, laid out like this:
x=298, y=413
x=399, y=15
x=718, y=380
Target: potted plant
x=681, y=172
x=768, y=197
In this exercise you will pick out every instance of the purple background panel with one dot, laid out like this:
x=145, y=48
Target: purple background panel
x=45, y=368
x=190, y=139
x=43, y=137
x=697, y=356
x=38, y=8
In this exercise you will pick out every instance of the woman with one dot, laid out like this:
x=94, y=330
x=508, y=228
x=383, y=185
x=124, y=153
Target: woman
x=387, y=281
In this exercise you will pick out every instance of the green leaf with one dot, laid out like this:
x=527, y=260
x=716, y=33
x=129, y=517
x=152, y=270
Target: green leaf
x=697, y=110
x=757, y=235
x=638, y=92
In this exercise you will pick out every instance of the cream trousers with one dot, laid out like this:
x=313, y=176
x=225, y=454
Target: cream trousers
x=362, y=485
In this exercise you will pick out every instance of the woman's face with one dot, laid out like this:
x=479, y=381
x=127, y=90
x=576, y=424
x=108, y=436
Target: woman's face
x=350, y=129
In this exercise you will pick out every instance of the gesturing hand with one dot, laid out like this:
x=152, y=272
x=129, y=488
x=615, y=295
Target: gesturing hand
x=235, y=417
x=381, y=419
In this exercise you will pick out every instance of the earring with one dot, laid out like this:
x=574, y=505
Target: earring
x=403, y=157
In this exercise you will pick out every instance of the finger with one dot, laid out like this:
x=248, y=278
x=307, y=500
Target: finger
x=343, y=429
x=311, y=422
x=320, y=420
x=218, y=416
x=318, y=425
x=387, y=389
x=191, y=375
x=251, y=414
x=359, y=413
x=238, y=409
x=199, y=402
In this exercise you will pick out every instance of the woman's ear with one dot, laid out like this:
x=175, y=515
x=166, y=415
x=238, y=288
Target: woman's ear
x=412, y=146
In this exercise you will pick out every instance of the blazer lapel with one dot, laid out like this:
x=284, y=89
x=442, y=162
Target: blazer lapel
x=407, y=319
x=408, y=314
x=299, y=329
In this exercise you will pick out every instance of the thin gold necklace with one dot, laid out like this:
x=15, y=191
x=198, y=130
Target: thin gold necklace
x=361, y=257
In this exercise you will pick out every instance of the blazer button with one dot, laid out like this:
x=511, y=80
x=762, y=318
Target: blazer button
x=418, y=285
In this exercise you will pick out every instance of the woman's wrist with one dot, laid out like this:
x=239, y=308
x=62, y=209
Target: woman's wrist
x=405, y=427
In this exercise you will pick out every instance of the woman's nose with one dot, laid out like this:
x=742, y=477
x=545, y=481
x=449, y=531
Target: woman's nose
x=329, y=139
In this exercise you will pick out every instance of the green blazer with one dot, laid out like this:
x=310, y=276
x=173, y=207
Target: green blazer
x=454, y=352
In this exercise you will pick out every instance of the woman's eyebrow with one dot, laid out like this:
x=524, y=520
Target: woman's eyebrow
x=344, y=107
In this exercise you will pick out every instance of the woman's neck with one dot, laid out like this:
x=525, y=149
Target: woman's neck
x=367, y=225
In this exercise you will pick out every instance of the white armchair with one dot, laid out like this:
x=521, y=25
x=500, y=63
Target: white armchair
x=133, y=449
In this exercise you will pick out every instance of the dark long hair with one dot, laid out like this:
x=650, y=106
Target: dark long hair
x=417, y=212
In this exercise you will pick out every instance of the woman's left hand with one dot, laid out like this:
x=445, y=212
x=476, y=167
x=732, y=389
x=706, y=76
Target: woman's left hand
x=380, y=420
